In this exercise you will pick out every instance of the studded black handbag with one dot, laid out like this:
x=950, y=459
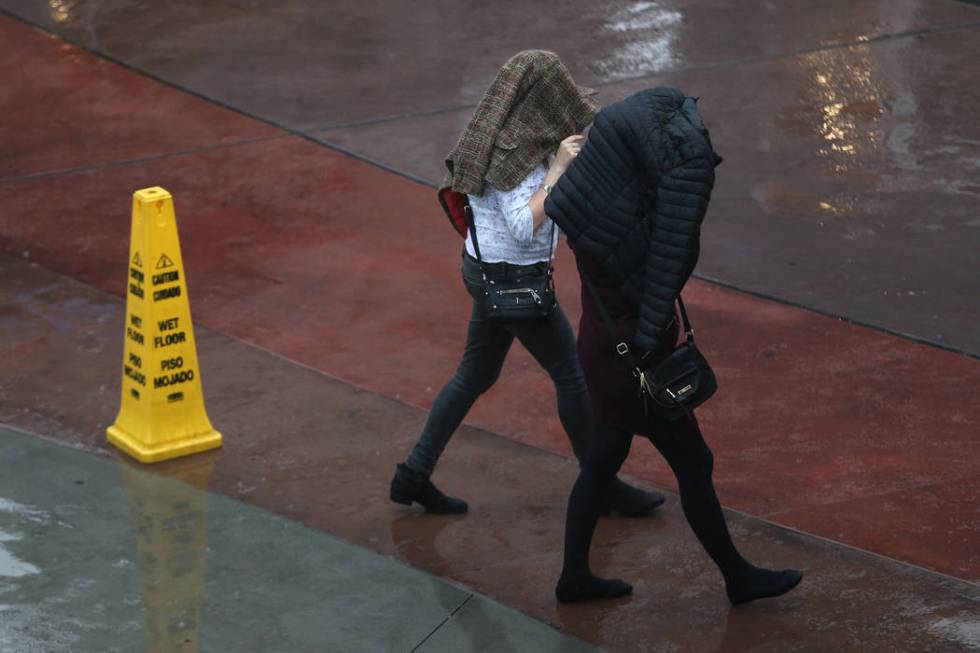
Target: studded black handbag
x=671, y=387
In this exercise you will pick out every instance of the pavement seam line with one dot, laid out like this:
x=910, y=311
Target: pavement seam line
x=922, y=340
x=424, y=113
x=485, y=432
x=330, y=145
x=972, y=584
x=201, y=96
x=144, y=159
x=308, y=136
x=876, y=495
x=442, y=623
x=675, y=70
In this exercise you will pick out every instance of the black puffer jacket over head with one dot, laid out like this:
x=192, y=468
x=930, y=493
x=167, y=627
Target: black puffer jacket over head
x=634, y=199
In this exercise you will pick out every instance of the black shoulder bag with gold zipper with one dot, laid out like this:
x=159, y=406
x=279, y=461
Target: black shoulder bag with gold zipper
x=674, y=386
x=525, y=297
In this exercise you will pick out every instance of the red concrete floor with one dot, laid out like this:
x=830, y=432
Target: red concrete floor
x=837, y=429
x=86, y=111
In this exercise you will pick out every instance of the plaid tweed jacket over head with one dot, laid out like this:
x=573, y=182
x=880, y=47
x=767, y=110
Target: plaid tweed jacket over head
x=531, y=106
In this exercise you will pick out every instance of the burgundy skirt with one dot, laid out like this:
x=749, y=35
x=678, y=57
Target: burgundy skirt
x=613, y=388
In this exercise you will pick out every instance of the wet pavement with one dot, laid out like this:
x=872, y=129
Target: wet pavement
x=852, y=155
x=265, y=222
x=102, y=556
x=325, y=288
x=319, y=451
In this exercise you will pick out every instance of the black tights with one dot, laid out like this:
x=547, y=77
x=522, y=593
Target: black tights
x=690, y=459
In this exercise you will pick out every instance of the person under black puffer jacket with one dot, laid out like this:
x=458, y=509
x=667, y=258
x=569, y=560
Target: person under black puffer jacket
x=635, y=199
x=632, y=204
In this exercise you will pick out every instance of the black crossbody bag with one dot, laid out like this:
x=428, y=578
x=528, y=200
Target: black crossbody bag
x=670, y=388
x=528, y=297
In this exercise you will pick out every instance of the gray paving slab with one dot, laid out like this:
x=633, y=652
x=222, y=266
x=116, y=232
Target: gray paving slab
x=484, y=626
x=314, y=64
x=99, y=555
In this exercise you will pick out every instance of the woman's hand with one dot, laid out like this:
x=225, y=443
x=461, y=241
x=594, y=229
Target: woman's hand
x=567, y=151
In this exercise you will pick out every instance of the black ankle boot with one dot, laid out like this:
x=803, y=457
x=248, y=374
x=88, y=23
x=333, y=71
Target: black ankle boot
x=630, y=501
x=409, y=485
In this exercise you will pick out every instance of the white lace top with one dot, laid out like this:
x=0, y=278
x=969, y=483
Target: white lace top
x=505, y=226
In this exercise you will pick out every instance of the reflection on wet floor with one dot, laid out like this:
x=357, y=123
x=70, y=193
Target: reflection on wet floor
x=647, y=34
x=854, y=113
x=169, y=516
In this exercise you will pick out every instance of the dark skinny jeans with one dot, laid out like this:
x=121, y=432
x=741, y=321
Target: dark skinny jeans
x=550, y=341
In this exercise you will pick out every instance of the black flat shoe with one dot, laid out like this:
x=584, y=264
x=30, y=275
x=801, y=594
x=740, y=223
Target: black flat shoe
x=408, y=486
x=571, y=589
x=762, y=584
x=628, y=501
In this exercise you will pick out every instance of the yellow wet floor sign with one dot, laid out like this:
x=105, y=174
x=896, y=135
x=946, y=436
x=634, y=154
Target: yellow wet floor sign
x=161, y=414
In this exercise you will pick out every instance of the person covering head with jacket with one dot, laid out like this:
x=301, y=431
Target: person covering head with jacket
x=632, y=205
x=521, y=139
x=529, y=109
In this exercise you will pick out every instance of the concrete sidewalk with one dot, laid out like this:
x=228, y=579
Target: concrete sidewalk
x=100, y=556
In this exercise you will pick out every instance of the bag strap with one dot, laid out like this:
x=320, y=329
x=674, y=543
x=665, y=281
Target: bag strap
x=551, y=244
x=472, y=225
x=622, y=347
x=688, y=329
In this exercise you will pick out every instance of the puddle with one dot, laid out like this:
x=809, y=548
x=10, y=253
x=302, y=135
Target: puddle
x=10, y=565
x=965, y=632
